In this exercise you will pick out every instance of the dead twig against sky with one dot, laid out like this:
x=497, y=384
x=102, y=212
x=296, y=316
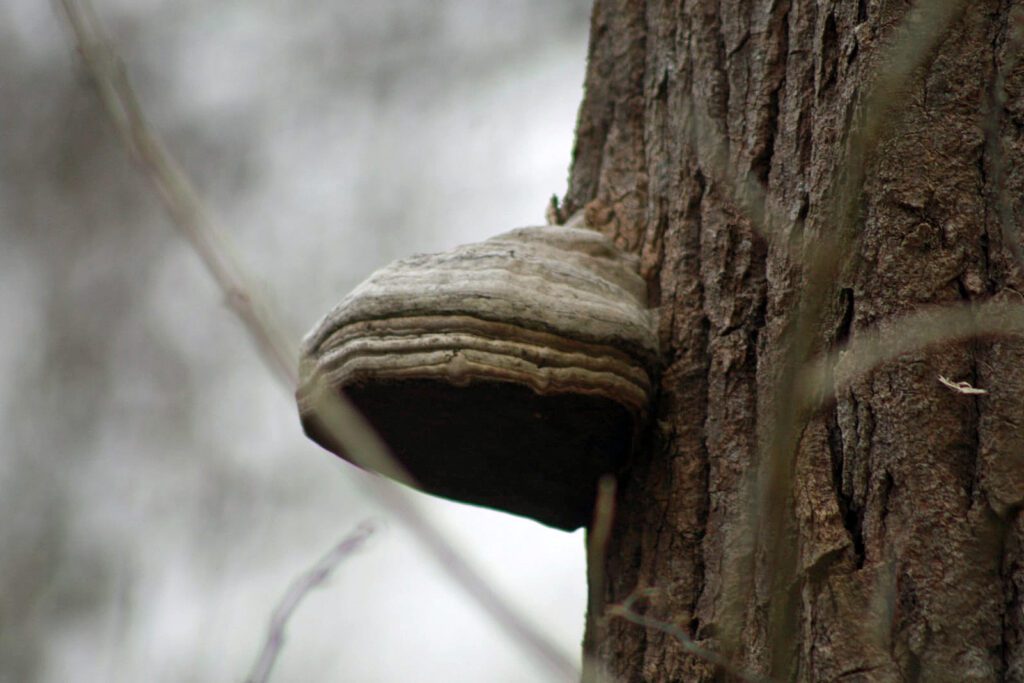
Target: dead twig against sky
x=177, y=192
x=302, y=586
x=339, y=416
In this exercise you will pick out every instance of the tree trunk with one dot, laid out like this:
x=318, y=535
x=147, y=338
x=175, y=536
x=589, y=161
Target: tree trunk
x=875, y=537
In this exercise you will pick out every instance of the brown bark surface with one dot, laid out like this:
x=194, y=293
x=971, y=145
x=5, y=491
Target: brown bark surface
x=903, y=520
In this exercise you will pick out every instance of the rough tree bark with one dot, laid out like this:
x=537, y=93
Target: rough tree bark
x=903, y=521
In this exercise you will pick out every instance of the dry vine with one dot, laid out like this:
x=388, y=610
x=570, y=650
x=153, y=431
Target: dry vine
x=627, y=610
x=312, y=578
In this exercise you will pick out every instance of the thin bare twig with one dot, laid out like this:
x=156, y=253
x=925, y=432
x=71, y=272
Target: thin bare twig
x=627, y=611
x=345, y=424
x=962, y=387
x=821, y=380
x=598, y=536
x=178, y=194
x=302, y=586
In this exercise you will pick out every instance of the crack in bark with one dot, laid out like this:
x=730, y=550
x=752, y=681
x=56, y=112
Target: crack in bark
x=704, y=513
x=761, y=165
x=885, y=491
x=829, y=71
x=992, y=150
x=858, y=671
x=851, y=513
x=1012, y=600
x=722, y=64
x=846, y=321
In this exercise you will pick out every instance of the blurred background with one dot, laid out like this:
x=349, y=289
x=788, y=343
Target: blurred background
x=156, y=494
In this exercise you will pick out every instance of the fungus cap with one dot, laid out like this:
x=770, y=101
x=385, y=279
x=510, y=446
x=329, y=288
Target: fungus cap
x=511, y=373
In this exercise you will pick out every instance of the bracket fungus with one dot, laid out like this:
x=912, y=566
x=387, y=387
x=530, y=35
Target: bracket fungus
x=511, y=373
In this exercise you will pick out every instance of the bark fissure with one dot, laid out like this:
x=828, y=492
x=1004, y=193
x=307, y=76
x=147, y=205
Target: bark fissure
x=721, y=112
x=761, y=165
x=829, y=70
x=852, y=514
x=1012, y=576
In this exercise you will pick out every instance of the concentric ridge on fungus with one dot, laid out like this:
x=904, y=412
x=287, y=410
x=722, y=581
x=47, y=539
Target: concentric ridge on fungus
x=539, y=332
